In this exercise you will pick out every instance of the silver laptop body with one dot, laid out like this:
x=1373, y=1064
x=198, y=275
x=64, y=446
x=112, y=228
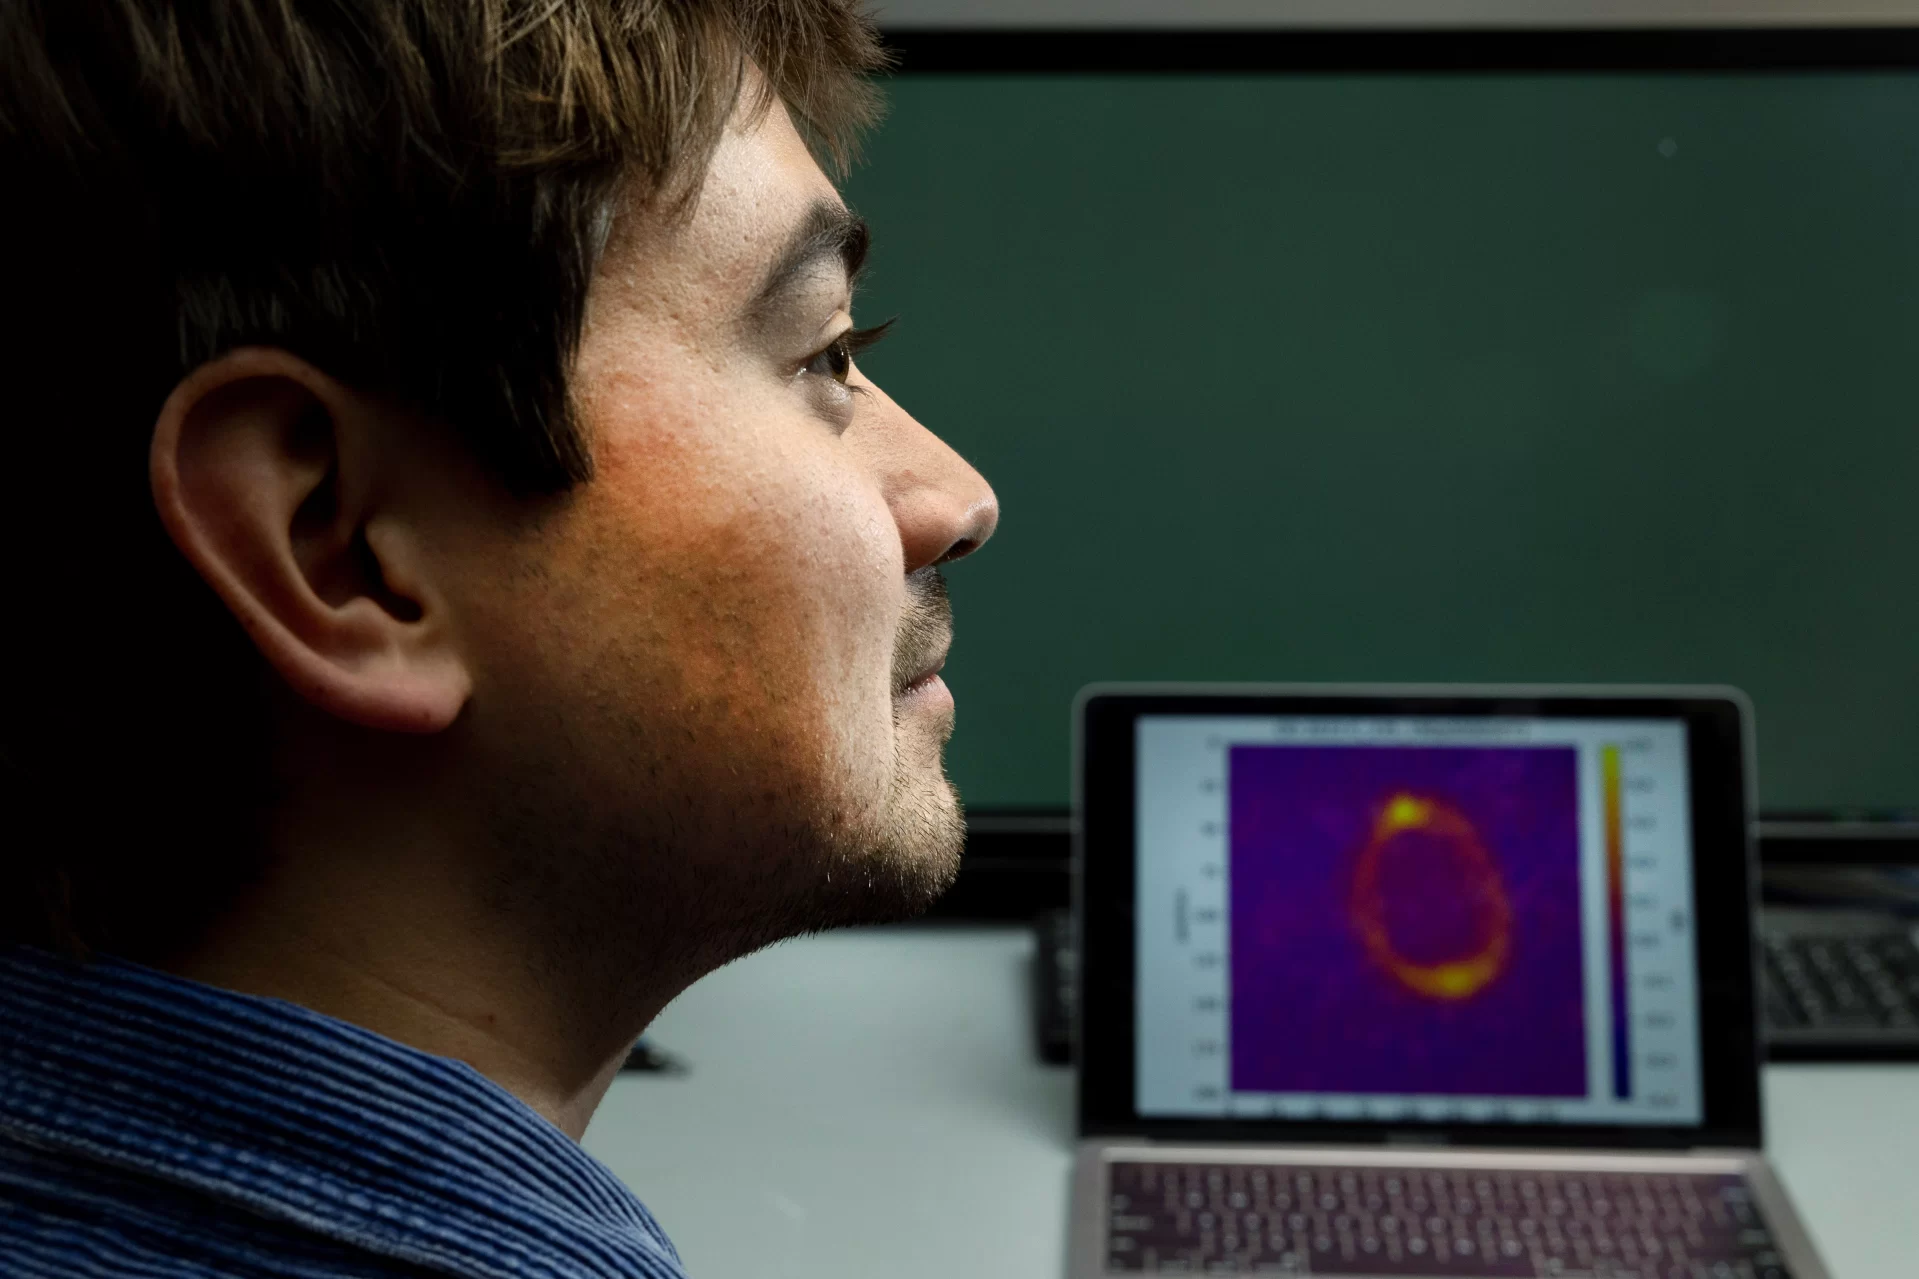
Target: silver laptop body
x=1396, y=981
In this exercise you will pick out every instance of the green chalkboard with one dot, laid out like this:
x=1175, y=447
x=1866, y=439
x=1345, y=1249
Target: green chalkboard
x=1421, y=377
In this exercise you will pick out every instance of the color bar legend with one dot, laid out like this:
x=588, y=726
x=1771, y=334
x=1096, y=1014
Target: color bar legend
x=1614, y=800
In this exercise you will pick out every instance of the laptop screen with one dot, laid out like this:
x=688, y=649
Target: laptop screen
x=1403, y=918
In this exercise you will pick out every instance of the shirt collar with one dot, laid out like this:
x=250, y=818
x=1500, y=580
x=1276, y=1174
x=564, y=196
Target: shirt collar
x=306, y=1119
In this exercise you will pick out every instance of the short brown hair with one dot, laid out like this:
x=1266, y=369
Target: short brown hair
x=411, y=194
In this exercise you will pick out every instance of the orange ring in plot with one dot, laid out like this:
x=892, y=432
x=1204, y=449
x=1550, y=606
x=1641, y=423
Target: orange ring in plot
x=1448, y=979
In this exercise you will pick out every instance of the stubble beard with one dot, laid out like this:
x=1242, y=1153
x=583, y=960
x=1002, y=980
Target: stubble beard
x=899, y=870
x=663, y=902
x=893, y=876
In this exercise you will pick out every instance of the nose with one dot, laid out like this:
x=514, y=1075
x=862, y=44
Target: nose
x=944, y=508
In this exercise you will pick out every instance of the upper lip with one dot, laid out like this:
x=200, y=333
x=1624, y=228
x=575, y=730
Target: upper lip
x=926, y=672
x=925, y=631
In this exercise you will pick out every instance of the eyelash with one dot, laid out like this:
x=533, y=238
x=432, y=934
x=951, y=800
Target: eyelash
x=842, y=349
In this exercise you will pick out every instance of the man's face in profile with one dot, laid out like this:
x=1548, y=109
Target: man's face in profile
x=707, y=680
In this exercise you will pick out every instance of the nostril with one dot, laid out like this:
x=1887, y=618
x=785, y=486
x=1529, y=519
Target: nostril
x=959, y=550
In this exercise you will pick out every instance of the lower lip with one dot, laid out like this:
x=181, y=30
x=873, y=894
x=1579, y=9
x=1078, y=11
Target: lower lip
x=929, y=692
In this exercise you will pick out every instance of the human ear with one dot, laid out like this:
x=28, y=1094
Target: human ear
x=282, y=487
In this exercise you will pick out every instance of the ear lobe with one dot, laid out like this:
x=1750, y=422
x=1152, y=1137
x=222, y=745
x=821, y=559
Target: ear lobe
x=271, y=478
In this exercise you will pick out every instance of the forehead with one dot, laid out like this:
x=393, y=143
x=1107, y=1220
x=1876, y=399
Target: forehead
x=761, y=182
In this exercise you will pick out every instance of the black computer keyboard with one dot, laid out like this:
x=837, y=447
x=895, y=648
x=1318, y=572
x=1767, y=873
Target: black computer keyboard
x=1055, y=986
x=1842, y=981
x=1838, y=986
x=1166, y=1218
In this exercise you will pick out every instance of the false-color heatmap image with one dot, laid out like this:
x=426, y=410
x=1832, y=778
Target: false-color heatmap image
x=1406, y=920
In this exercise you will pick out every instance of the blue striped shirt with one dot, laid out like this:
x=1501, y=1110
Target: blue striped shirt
x=156, y=1128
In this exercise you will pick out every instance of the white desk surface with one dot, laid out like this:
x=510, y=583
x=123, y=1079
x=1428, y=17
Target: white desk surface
x=868, y=1104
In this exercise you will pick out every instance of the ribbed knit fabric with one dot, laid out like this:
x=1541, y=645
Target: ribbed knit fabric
x=156, y=1128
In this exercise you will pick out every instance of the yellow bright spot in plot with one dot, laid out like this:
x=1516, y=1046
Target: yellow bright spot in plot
x=1455, y=980
x=1404, y=812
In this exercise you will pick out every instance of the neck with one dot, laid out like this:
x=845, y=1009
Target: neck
x=385, y=935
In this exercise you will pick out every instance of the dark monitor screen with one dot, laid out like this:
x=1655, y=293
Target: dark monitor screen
x=1590, y=374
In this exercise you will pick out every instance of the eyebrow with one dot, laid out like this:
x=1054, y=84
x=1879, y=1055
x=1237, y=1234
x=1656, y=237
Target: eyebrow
x=828, y=232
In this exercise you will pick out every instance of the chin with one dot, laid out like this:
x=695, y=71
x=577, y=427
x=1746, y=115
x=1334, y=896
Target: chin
x=927, y=826
x=927, y=838
x=676, y=889
x=900, y=869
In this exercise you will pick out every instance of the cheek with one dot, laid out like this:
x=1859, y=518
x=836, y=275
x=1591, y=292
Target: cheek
x=762, y=564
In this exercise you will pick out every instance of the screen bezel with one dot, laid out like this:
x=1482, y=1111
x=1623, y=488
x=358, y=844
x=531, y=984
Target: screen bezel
x=1491, y=48
x=1718, y=733
x=1392, y=15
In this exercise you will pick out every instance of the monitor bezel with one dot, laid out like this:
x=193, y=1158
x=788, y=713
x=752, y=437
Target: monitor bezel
x=1401, y=15
x=1387, y=49
x=1720, y=759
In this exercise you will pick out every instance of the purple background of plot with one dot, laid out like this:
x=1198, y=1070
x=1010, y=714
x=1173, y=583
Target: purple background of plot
x=1313, y=1012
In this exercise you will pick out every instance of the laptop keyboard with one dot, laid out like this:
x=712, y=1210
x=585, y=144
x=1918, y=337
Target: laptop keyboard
x=1867, y=982
x=1166, y=1218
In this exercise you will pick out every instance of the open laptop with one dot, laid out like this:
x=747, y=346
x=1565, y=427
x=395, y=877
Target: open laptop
x=1420, y=981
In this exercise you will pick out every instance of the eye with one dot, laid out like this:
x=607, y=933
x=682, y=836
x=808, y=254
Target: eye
x=836, y=361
